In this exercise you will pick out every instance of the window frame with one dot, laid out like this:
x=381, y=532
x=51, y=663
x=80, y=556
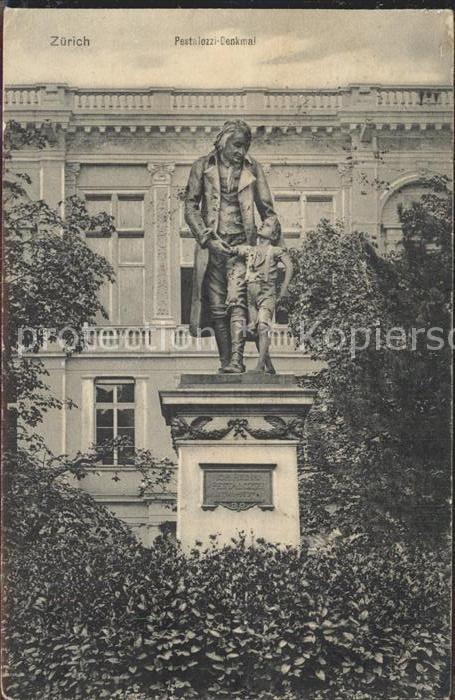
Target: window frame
x=114, y=238
x=304, y=196
x=135, y=196
x=290, y=196
x=184, y=264
x=114, y=406
x=115, y=196
x=95, y=196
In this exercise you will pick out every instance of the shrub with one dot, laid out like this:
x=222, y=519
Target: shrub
x=92, y=614
x=378, y=435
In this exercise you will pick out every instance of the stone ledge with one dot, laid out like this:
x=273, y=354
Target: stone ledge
x=247, y=378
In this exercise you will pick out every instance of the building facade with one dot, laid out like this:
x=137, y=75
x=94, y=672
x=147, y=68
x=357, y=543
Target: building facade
x=350, y=154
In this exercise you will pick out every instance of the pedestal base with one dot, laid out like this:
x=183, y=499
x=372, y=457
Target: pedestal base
x=237, y=448
x=262, y=500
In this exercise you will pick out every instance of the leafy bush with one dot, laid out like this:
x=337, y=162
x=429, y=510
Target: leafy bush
x=92, y=614
x=378, y=436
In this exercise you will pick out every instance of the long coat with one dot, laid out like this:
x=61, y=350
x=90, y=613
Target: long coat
x=202, y=207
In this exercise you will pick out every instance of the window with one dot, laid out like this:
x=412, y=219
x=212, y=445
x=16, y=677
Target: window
x=115, y=417
x=126, y=208
x=290, y=213
x=126, y=251
x=97, y=203
x=130, y=214
x=299, y=212
x=317, y=207
x=187, y=245
x=391, y=225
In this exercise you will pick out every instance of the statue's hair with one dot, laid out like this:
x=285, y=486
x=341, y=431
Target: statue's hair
x=273, y=224
x=229, y=128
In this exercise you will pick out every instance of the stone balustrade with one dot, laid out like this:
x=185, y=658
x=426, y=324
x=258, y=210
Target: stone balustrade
x=296, y=101
x=22, y=97
x=281, y=340
x=250, y=101
x=403, y=98
x=112, y=101
x=165, y=339
x=210, y=101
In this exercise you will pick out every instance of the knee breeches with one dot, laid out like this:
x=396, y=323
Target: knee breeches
x=225, y=285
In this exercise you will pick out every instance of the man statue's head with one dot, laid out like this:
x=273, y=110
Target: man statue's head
x=233, y=141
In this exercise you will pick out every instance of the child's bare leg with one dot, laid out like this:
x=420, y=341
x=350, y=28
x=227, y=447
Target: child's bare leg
x=268, y=361
x=269, y=365
x=263, y=344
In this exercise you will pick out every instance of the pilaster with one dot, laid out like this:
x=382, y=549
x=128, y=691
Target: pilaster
x=345, y=173
x=72, y=171
x=161, y=179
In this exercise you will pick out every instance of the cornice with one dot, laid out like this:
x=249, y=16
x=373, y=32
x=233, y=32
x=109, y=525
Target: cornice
x=307, y=159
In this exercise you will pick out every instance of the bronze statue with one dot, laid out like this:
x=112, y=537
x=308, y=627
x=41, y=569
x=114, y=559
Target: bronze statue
x=223, y=188
x=261, y=285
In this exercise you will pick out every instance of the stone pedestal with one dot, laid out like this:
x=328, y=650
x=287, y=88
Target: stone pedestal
x=236, y=437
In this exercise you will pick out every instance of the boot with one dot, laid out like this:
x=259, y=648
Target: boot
x=223, y=341
x=236, y=365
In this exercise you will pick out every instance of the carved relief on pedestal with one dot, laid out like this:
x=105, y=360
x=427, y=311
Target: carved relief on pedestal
x=161, y=207
x=72, y=171
x=277, y=428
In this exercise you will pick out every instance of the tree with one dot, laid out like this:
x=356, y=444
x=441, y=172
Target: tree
x=52, y=287
x=378, y=436
x=52, y=284
x=52, y=279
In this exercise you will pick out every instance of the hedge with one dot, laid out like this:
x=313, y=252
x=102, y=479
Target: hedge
x=92, y=614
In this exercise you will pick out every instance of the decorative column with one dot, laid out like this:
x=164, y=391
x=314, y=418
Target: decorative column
x=161, y=224
x=72, y=171
x=52, y=165
x=364, y=189
x=345, y=171
x=236, y=439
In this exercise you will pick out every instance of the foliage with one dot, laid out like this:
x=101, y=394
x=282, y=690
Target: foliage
x=92, y=614
x=378, y=436
x=52, y=278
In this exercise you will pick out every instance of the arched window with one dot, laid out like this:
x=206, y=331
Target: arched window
x=390, y=222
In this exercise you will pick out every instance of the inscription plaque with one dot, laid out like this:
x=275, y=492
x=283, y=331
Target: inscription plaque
x=237, y=486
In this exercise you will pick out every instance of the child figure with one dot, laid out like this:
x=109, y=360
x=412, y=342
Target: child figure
x=261, y=283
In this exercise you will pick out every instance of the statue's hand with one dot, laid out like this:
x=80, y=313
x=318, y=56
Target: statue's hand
x=219, y=247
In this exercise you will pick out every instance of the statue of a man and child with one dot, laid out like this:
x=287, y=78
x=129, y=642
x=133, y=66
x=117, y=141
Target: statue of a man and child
x=236, y=264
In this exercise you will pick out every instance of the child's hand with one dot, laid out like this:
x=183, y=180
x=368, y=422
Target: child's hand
x=219, y=247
